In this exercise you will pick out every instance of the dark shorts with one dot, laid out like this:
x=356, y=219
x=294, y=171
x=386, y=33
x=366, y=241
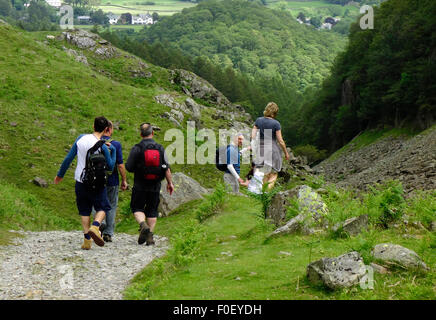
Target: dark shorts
x=86, y=199
x=145, y=201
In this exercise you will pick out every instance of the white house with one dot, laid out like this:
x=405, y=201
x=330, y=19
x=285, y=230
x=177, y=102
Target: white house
x=54, y=3
x=113, y=18
x=142, y=19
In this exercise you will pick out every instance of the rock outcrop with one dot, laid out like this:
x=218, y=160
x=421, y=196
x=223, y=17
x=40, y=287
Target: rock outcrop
x=312, y=211
x=186, y=189
x=340, y=272
x=396, y=254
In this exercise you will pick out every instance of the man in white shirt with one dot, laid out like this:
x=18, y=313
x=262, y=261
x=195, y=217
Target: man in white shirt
x=85, y=198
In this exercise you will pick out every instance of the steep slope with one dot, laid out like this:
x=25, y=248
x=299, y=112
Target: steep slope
x=412, y=160
x=51, y=90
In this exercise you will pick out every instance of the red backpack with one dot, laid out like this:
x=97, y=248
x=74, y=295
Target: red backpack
x=153, y=166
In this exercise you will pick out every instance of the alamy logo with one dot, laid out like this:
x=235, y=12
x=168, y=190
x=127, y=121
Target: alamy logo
x=367, y=20
x=69, y=16
x=67, y=280
x=367, y=281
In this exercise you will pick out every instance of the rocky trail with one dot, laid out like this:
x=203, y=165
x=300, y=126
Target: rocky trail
x=51, y=265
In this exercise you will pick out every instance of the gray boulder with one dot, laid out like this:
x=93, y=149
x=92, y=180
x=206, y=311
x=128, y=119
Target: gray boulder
x=194, y=108
x=40, y=182
x=354, y=226
x=198, y=87
x=309, y=203
x=340, y=272
x=398, y=255
x=186, y=189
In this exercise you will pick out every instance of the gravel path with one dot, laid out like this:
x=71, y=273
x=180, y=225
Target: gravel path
x=51, y=265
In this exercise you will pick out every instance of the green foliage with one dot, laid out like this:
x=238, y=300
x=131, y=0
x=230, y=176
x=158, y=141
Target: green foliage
x=186, y=243
x=212, y=203
x=310, y=152
x=422, y=207
x=387, y=202
x=384, y=76
x=266, y=197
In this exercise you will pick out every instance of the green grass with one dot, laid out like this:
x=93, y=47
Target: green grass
x=234, y=259
x=162, y=7
x=53, y=99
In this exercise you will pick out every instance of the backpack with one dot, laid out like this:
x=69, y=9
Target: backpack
x=221, y=158
x=94, y=175
x=153, y=166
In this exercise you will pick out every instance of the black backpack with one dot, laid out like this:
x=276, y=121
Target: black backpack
x=94, y=175
x=153, y=166
x=221, y=158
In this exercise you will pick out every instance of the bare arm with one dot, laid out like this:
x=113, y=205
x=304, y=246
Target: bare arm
x=254, y=132
x=282, y=143
x=170, y=186
x=122, y=170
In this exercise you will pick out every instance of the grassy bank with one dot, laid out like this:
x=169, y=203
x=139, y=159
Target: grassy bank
x=231, y=256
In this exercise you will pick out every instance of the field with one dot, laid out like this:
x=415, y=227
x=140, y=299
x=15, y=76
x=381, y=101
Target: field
x=311, y=8
x=135, y=27
x=162, y=7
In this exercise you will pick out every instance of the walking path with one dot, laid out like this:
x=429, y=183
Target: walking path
x=51, y=265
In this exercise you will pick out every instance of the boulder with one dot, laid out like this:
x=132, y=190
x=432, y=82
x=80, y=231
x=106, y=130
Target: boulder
x=296, y=224
x=340, y=272
x=354, y=226
x=198, y=87
x=379, y=269
x=186, y=189
x=40, y=182
x=193, y=107
x=309, y=202
x=398, y=255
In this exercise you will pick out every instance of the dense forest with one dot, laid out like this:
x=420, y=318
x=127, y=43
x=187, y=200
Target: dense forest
x=255, y=40
x=386, y=76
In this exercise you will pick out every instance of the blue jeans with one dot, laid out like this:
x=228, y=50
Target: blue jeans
x=109, y=220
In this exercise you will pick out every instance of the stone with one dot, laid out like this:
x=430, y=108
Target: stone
x=335, y=273
x=309, y=202
x=13, y=124
x=354, y=226
x=40, y=182
x=50, y=37
x=185, y=189
x=433, y=226
x=193, y=107
x=378, y=268
x=198, y=87
x=396, y=254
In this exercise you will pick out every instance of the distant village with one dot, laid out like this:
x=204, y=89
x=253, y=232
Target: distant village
x=328, y=23
x=125, y=18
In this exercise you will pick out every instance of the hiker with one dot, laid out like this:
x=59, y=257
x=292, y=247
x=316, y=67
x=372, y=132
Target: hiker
x=148, y=161
x=233, y=163
x=268, y=135
x=113, y=184
x=89, y=195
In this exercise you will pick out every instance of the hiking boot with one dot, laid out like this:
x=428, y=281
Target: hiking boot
x=143, y=234
x=102, y=227
x=95, y=235
x=86, y=244
x=107, y=238
x=149, y=239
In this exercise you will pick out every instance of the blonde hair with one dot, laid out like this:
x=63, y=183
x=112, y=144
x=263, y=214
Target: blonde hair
x=271, y=110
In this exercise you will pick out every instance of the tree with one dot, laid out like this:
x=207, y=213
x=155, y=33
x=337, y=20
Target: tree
x=155, y=16
x=315, y=21
x=5, y=8
x=99, y=17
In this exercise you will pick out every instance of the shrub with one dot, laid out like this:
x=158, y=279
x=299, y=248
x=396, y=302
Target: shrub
x=310, y=152
x=212, y=203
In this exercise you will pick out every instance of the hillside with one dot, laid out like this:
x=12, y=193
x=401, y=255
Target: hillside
x=376, y=156
x=51, y=90
x=251, y=38
x=385, y=77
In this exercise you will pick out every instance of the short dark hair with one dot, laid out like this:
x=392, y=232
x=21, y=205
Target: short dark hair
x=146, y=129
x=100, y=123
